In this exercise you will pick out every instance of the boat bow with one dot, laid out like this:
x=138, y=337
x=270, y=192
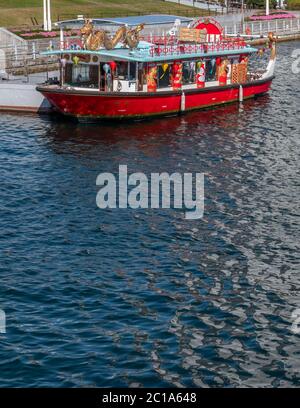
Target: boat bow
x=272, y=62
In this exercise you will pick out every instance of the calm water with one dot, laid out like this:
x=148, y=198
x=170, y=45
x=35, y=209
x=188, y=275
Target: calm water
x=143, y=297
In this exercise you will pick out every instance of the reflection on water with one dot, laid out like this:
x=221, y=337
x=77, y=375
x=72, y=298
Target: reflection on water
x=147, y=298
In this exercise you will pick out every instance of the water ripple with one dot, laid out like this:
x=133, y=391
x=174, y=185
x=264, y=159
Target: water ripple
x=146, y=298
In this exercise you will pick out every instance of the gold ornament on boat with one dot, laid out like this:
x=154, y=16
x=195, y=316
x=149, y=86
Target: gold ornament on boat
x=224, y=67
x=272, y=44
x=93, y=39
x=152, y=78
x=132, y=36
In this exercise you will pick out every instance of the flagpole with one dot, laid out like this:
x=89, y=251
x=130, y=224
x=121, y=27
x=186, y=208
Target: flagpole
x=45, y=16
x=267, y=7
x=243, y=17
x=49, y=15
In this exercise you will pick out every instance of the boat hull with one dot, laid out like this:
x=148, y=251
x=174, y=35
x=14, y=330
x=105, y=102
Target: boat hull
x=22, y=98
x=86, y=104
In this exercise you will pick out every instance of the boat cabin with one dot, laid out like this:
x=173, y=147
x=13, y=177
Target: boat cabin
x=197, y=56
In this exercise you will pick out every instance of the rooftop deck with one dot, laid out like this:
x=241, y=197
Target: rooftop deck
x=149, y=52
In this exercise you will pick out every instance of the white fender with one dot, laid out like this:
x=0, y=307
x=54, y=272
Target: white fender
x=2, y=322
x=182, y=102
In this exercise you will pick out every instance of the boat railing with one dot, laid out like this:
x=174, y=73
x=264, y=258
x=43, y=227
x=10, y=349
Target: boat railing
x=183, y=49
x=73, y=44
x=162, y=46
x=160, y=39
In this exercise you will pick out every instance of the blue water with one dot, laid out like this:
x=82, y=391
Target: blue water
x=144, y=297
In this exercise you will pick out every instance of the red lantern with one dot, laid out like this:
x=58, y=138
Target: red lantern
x=242, y=58
x=177, y=75
x=113, y=66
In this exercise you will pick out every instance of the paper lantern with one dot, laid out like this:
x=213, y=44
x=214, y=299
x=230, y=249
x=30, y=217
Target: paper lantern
x=106, y=68
x=177, y=75
x=76, y=60
x=113, y=66
x=165, y=67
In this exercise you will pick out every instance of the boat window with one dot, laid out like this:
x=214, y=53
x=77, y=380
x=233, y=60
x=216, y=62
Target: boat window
x=85, y=76
x=107, y=76
x=126, y=70
x=122, y=69
x=164, y=78
x=68, y=73
x=141, y=76
x=188, y=72
x=132, y=71
x=211, y=71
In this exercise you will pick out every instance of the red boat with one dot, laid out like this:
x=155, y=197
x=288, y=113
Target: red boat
x=129, y=76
